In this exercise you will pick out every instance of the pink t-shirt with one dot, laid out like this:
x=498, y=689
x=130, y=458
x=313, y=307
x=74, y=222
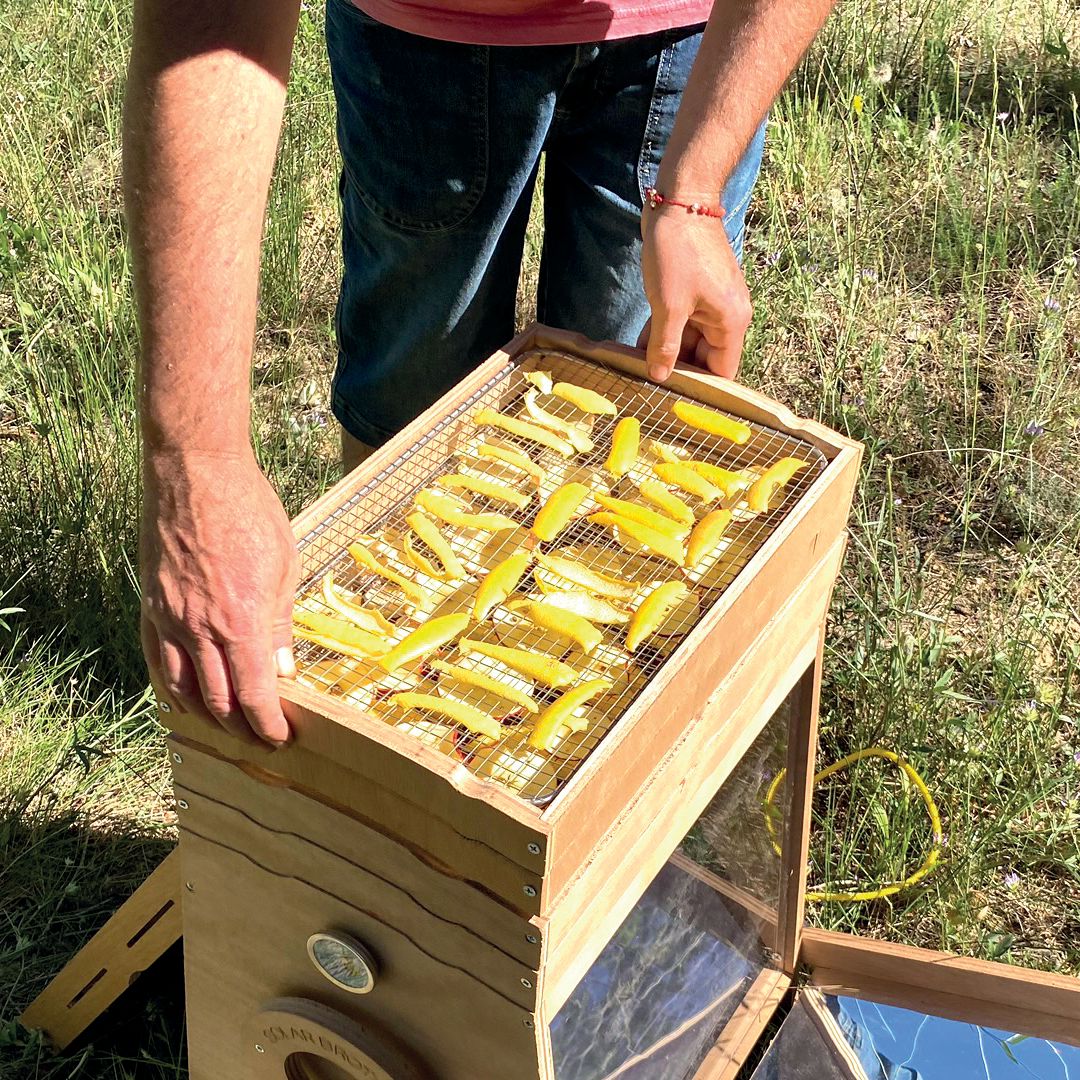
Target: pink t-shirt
x=535, y=22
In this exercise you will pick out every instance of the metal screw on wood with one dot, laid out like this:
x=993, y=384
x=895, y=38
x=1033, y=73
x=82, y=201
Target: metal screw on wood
x=178, y=759
x=190, y=886
x=164, y=706
x=534, y=849
x=182, y=803
x=260, y=1049
x=532, y=939
x=529, y=890
x=527, y=1022
x=526, y=983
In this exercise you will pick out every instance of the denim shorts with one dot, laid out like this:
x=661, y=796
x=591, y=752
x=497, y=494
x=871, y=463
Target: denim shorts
x=441, y=146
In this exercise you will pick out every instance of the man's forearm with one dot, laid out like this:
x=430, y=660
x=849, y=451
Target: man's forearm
x=203, y=110
x=749, y=49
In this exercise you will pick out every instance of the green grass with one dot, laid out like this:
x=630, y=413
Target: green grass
x=914, y=269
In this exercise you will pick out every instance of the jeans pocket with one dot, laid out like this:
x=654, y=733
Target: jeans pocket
x=412, y=120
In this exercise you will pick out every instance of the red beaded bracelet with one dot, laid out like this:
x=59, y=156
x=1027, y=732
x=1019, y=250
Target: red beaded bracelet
x=654, y=199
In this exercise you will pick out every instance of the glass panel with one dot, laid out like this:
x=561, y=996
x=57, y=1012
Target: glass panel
x=883, y=1042
x=662, y=989
x=660, y=993
x=733, y=839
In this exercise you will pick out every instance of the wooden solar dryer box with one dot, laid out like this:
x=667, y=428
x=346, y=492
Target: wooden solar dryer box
x=363, y=903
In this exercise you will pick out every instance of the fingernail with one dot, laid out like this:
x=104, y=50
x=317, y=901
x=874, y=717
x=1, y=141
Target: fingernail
x=657, y=372
x=286, y=665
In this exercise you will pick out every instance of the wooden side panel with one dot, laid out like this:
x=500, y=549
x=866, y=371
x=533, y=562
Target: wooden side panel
x=227, y=800
x=926, y=978
x=742, y=1031
x=136, y=935
x=246, y=929
x=318, y=763
x=627, y=757
x=657, y=815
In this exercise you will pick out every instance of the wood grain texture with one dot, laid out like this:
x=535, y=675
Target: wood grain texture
x=292, y=816
x=246, y=930
x=317, y=860
x=147, y=924
x=844, y=1057
x=742, y=1032
x=865, y=962
x=399, y=814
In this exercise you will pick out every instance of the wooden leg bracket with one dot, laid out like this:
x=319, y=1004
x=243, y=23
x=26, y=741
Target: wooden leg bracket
x=137, y=934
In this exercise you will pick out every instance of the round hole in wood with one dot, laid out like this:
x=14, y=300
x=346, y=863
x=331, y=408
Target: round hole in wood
x=303, y=1066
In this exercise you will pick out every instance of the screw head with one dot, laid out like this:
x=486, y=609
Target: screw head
x=529, y=890
x=532, y=939
x=190, y=886
x=178, y=759
x=259, y=1049
x=527, y=1021
x=526, y=983
x=534, y=849
x=164, y=706
x=182, y=803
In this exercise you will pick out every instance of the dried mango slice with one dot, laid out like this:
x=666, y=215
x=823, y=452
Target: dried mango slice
x=446, y=508
x=367, y=560
x=637, y=512
x=560, y=622
x=666, y=452
x=490, y=489
x=728, y=481
x=658, y=542
x=558, y=510
x=625, y=443
x=584, y=399
x=364, y=617
x=541, y=669
x=594, y=608
x=560, y=713
x=428, y=532
x=523, y=429
x=711, y=421
x=540, y=379
x=654, y=609
x=337, y=634
x=487, y=683
x=500, y=583
x=457, y=711
x=672, y=505
x=708, y=532
x=682, y=476
x=577, y=438
x=579, y=574
x=425, y=639
x=512, y=456
x=775, y=476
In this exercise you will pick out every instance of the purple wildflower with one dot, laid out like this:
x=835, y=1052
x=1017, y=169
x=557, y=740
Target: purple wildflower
x=1050, y=304
x=1012, y=880
x=1076, y=757
x=1003, y=116
x=868, y=273
x=772, y=258
x=1033, y=430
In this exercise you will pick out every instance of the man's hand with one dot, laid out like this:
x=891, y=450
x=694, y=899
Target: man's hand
x=697, y=293
x=219, y=570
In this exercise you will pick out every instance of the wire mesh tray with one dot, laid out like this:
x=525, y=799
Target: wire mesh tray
x=379, y=509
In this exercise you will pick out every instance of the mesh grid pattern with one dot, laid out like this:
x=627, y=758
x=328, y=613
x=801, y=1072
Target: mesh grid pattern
x=381, y=506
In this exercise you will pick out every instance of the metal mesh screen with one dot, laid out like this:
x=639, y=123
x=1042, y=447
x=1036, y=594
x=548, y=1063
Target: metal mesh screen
x=380, y=507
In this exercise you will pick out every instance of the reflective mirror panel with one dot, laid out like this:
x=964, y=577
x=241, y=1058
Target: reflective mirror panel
x=836, y=1036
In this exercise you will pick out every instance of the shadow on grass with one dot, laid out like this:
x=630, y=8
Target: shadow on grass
x=61, y=881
